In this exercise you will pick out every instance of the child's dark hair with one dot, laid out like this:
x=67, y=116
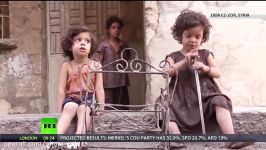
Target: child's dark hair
x=189, y=19
x=113, y=19
x=67, y=41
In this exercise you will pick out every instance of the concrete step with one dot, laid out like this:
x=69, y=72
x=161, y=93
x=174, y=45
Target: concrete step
x=252, y=122
x=244, y=123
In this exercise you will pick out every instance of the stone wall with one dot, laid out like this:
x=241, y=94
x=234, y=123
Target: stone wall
x=22, y=70
x=238, y=45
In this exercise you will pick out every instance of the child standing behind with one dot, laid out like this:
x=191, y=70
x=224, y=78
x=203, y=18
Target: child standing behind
x=109, y=50
x=191, y=29
x=78, y=46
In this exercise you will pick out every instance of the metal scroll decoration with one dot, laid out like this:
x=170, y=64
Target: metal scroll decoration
x=134, y=65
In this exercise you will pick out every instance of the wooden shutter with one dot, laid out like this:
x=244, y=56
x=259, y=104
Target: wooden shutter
x=60, y=15
x=96, y=13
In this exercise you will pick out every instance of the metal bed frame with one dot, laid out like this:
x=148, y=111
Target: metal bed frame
x=155, y=117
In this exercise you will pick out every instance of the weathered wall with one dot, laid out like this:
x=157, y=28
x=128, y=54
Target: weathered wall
x=22, y=71
x=238, y=45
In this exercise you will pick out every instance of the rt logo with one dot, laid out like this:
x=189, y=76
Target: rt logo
x=48, y=125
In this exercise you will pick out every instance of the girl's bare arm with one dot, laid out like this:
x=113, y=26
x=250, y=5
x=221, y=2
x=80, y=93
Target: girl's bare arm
x=213, y=69
x=99, y=88
x=176, y=67
x=62, y=86
x=172, y=67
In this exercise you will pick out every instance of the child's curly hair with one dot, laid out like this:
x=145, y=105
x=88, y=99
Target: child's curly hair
x=67, y=41
x=189, y=19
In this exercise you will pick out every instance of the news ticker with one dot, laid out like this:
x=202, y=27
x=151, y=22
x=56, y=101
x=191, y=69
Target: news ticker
x=131, y=138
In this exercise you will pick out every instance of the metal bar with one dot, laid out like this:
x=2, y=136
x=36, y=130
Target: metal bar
x=131, y=118
x=200, y=102
x=127, y=72
x=127, y=111
x=134, y=124
x=129, y=129
x=106, y=104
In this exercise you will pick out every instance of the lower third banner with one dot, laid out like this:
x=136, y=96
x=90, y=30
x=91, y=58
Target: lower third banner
x=131, y=138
